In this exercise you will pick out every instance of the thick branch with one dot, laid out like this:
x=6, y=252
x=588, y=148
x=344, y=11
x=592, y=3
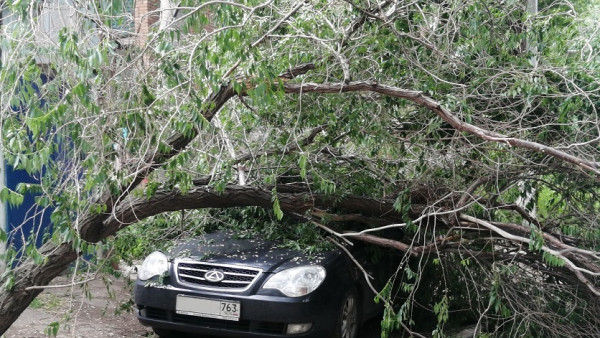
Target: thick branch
x=13, y=302
x=349, y=218
x=135, y=209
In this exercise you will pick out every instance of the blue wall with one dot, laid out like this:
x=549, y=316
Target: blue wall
x=27, y=221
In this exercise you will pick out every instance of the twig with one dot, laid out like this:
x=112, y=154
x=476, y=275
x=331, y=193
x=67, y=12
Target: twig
x=264, y=36
x=570, y=265
x=367, y=276
x=38, y=287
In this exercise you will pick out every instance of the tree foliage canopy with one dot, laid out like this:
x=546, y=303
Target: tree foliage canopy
x=469, y=125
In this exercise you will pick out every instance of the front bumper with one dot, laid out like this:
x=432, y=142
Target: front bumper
x=260, y=316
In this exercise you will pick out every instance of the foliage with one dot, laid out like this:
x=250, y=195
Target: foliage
x=470, y=126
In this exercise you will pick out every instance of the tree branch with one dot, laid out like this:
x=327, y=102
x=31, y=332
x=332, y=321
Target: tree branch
x=90, y=227
x=290, y=147
x=569, y=264
x=134, y=209
x=424, y=101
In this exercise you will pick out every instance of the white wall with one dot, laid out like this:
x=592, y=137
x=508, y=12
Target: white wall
x=3, y=225
x=54, y=16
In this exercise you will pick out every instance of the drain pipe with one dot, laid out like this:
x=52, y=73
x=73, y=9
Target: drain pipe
x=3, y=221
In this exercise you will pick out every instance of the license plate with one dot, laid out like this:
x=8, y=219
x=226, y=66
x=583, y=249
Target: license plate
x=211, y=308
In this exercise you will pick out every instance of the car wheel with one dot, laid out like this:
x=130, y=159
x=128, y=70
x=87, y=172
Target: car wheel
x=163, y=333
x=347, y=326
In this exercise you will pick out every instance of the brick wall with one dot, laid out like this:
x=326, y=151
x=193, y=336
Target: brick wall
x=145, y=15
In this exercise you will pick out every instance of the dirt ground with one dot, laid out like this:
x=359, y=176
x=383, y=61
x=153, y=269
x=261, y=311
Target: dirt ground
x=77, y=315
x=99, y=314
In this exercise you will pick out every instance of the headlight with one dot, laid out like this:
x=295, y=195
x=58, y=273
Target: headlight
x=298, y=281
x=155, y=264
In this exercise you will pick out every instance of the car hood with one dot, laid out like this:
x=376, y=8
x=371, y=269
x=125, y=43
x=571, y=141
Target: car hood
x=227, y=248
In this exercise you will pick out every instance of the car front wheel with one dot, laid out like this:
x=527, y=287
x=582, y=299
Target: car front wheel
x=347, y=326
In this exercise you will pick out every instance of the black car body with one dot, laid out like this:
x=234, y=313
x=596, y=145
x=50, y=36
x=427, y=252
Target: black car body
x=222, y=286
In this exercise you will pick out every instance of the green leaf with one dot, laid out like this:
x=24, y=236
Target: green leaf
x=9, y=283
x=13, y=198
x=276, y=206
x=302, y=163
x=52, y=329
x=441, y=310
x=553, y=260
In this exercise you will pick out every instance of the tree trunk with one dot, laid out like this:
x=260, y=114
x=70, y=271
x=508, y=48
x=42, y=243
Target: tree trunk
x=14, y=301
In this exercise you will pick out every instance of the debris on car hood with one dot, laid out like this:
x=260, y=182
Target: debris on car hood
x=225, y=247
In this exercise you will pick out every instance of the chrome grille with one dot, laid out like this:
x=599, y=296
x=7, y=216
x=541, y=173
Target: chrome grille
x=236, y=278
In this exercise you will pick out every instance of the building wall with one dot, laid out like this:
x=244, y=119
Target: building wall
x=27, y=222
x=145, y=15
x=54, y=16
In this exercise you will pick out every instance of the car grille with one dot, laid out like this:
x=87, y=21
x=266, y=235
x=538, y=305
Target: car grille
x=236, y=278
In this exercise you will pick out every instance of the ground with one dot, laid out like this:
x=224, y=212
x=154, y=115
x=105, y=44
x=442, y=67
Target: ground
x=102, y=313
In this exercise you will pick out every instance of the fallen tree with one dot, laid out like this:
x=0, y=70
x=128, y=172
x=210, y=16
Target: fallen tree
x=488, y=163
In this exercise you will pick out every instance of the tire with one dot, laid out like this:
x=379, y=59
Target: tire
x=348, y=316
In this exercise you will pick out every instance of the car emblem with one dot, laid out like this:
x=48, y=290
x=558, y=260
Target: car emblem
x=214, y=276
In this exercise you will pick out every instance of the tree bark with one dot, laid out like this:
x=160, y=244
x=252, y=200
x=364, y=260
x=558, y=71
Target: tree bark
x=14, y=301
x=134, y=209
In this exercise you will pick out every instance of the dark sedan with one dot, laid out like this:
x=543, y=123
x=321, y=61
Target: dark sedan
x=222, y=286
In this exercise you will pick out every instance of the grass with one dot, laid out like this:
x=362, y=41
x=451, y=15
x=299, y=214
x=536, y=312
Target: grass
x=46, y=302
